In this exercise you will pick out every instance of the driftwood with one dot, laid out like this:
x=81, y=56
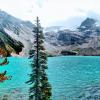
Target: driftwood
x=5, y=62
x=3, y=77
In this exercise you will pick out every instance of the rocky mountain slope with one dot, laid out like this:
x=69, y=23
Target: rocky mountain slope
x=85, y=40
x=9, y=45
x=17, y=29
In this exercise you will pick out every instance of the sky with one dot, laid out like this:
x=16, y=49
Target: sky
x=53, y=12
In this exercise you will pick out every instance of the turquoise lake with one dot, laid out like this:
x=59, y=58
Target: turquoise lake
x=68, y=75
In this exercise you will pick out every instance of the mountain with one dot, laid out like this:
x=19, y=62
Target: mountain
x=85, y=40
x=17, y=29
x=89, y=23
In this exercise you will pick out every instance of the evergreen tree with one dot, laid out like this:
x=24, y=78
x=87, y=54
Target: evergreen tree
x=40, y=88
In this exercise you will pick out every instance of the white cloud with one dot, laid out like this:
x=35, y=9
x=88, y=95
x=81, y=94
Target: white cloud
x=50, y=11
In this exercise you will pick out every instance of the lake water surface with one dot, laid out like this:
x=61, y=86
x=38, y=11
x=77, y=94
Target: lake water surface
x=69, y=76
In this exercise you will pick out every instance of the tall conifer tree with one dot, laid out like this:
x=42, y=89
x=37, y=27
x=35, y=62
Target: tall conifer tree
x=40, y=88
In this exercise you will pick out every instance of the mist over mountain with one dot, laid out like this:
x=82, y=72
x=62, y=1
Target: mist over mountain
x=71, y=23
x=84, y=40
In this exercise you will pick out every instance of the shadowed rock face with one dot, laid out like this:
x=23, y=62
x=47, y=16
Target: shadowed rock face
x=9, y=45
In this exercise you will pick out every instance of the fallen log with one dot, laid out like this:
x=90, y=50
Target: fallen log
x=3, y=77
x=5, y=62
